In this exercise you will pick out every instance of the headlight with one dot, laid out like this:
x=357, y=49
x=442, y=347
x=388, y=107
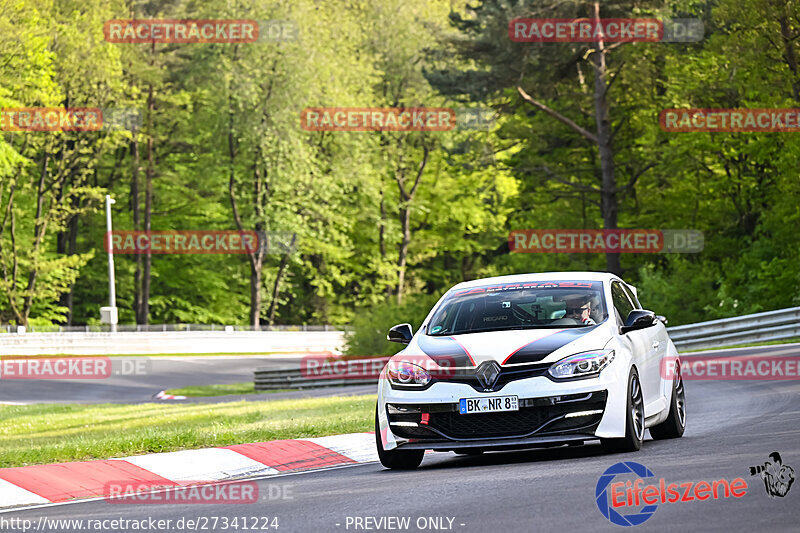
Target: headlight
x=403, y=373
x=582, y=364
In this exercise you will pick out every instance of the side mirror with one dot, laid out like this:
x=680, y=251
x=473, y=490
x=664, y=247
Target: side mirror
x=638, y=319
x=663, y=319
x=401, y=333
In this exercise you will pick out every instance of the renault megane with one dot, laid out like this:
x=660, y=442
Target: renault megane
x=528, y=361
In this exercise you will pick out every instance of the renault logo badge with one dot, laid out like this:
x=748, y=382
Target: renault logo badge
x=487, y=374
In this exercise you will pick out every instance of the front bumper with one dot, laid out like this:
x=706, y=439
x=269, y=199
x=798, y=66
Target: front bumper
x=499, y=445
x=536, y=417
x=549, y=413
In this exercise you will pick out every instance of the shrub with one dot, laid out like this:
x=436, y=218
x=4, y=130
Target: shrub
x=367, y=336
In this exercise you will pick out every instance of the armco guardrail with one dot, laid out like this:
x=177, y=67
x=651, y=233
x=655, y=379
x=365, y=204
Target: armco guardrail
x=99, y=328
x=759, y=327
x=170, y=342
x=292, y=378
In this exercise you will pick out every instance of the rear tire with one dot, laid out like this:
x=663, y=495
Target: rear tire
x=634, y=420
x=675, y=424
x=396, y=459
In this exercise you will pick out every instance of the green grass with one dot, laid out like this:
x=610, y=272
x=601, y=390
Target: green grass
x=52, y=433
x=219, y=390
x=752, y=344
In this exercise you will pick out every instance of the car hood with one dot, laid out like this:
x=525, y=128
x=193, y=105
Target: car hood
x=511, y=346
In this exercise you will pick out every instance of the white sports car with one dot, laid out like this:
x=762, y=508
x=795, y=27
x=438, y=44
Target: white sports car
x=528, y=361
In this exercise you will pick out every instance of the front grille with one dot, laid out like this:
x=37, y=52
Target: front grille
x=540, y=416
x=507, y=375
x=519, y=423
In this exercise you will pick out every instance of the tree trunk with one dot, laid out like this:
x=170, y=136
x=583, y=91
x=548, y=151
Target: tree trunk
x=788, y=53
x=66, y=244
x=137, y=226
x=255, y=293
x=273, y=305
x=10, y=279
x=144, y=308
x=38, y=233
x=382, y=228
x=608, y=194
x=406, y=198
x=255, y=257
x=382, y=239
x=603, y=140
x=405, y=219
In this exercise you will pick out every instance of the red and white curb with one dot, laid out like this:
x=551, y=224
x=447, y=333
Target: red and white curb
x=40, y=484
x=164, y=396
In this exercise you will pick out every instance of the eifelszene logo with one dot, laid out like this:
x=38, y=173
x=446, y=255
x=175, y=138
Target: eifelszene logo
x=778, y=477
x=631, y=495
x=606, y=506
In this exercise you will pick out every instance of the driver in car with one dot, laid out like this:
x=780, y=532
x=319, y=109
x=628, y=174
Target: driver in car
x=580, y=310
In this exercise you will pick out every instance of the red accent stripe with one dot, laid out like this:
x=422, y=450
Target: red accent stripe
x=528, y=344
x=471, y=360
x=287, y=455
x=60, y=482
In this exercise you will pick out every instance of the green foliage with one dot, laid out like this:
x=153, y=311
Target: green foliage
x=342, y=192
x=367, y=336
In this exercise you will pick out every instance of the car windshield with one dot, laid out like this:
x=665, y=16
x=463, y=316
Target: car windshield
x=558, y=304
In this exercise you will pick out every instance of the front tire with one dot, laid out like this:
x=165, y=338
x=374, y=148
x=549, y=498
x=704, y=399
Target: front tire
x=396, y=459
x=634, y=420
x=675, y=424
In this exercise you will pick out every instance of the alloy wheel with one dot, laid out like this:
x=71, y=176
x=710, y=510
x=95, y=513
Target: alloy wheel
x=680, y=397
x=637, y=408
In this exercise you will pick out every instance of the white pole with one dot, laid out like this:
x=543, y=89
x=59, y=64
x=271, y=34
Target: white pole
x=112, y=296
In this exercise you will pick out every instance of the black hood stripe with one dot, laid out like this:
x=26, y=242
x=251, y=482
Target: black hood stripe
x=453, y=352
x=524, y=346
x=445, y=349
x=537, y=350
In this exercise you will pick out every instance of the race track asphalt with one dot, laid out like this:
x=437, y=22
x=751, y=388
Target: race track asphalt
x=732, y=425
x=140, y=378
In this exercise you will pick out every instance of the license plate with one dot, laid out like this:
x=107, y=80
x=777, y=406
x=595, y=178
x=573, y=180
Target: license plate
x=495, y=404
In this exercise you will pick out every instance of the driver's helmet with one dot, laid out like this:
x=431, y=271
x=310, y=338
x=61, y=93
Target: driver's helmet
x=574, y=302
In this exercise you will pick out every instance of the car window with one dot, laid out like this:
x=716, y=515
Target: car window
x=632, y=297
x=520, y=306
x=621, y=302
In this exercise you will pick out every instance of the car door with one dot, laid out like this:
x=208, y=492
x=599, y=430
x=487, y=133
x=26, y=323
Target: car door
x=639, y=342
x=656, y=347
